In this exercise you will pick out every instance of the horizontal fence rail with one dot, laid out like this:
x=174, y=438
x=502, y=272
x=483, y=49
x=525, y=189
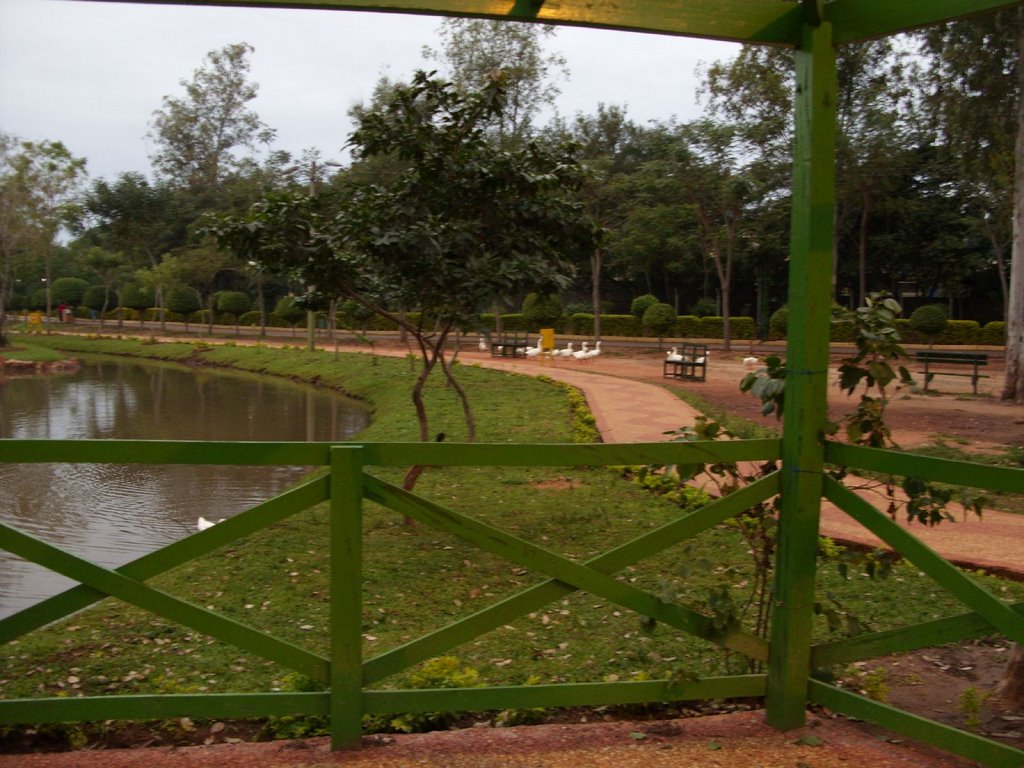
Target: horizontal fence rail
x=345, y=674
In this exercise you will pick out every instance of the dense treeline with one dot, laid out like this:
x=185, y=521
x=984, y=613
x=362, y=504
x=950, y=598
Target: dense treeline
x=695, y=214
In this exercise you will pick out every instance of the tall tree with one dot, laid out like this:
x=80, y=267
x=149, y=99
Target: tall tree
x=608, y=147
x=977, y=85
x=465, y=222
x=197, y=133
x=40, y=183
x=472, y=50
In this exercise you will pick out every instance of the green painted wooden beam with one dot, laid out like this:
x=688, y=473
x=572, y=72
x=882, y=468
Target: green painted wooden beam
x=807, y=350
x=856, y=20
x=385, y=454
x=163, y=604
x=984, y=751
x=771, y=22
x=538, y=559
x=153, y=707
x=346, y=583
x=945, y=574
x=952, y=629
x=532, y=599
x=302, y=496
x=563, y=695
x=947, y=471
x=775, y=22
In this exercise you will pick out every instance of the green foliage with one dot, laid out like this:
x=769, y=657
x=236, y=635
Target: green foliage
x=658, y=319
x=877, y=347
x=295, y=726
x=688, y=327
x=251, y=318
x=234, y=302
x=930, y=320
x=743, y=327
x=68, y=290
x=136, y=296
x=872, y=683
x=288, y=310
x=442, y=672
x=95, y=297
x=621, y=325
x=581, y=323
x=713, y=327
x=768, y=384
x=961, y=332
x=641, y=304
x=181, y=300
x=704, y=307
x=993, y=334
x=541, y=310
x=778, y=322
x=971, y=702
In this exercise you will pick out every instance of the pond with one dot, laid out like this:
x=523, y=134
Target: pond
x=111, y=514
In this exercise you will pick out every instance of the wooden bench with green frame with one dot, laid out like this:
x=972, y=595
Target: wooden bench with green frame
x=942, y=357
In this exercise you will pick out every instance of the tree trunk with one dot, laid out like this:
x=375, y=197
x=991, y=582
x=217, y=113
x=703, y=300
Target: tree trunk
x=595, y=290
x=1013, y=389
x=1011, y=687
x=862, y=246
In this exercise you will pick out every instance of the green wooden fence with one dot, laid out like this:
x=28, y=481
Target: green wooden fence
x=347, y=675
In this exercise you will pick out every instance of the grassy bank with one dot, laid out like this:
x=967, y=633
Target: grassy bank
x=416, y=579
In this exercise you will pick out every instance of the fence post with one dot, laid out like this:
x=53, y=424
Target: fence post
x=810, y=300
x=346, y=617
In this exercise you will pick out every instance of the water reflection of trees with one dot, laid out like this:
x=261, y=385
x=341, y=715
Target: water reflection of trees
x=112, y=513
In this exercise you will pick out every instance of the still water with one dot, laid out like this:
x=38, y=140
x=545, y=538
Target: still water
x=111, y=514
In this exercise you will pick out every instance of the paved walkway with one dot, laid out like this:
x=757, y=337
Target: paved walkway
x=627, y=411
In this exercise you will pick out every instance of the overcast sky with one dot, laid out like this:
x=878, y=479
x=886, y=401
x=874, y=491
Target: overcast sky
x=91, y=74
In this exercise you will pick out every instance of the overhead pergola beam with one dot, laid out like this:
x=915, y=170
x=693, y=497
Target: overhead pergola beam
x=762, y=22
x=854, y=20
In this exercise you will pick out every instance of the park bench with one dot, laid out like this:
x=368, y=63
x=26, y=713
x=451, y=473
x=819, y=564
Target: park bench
x=944, y=358
x=509, y=345
x=693, y=365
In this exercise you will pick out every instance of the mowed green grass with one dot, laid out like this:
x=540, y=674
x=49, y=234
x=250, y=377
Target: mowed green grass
x=417, y=579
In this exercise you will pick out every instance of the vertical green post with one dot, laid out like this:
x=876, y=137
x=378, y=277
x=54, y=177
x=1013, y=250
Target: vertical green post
x=346, y=597
x=810, y=300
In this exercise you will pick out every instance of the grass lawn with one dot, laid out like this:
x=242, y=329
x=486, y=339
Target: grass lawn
x=417, y=579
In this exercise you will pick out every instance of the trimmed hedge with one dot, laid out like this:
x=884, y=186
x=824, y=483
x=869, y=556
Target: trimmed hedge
x=582, y=324
x=687, y=326
x=621, y=325
x=957, y=332
x=993, y=334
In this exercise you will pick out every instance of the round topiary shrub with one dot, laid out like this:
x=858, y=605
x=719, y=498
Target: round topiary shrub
x=778, y=322
x=641, y=304
x=659, y=320
x=288, y=310
x=930, y=321
x=704, y=307
x=68, y=290
x=233, y=303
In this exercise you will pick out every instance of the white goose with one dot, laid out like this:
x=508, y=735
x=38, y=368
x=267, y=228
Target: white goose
x=673, y=356
x=534, y=351
x=580, y=354
x=595, y=351
x=567, y=352
x=482, y=344
x=202, y=523
x=750, y=362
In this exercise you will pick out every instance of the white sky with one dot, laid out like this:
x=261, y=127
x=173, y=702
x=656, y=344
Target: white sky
x=91, y=74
